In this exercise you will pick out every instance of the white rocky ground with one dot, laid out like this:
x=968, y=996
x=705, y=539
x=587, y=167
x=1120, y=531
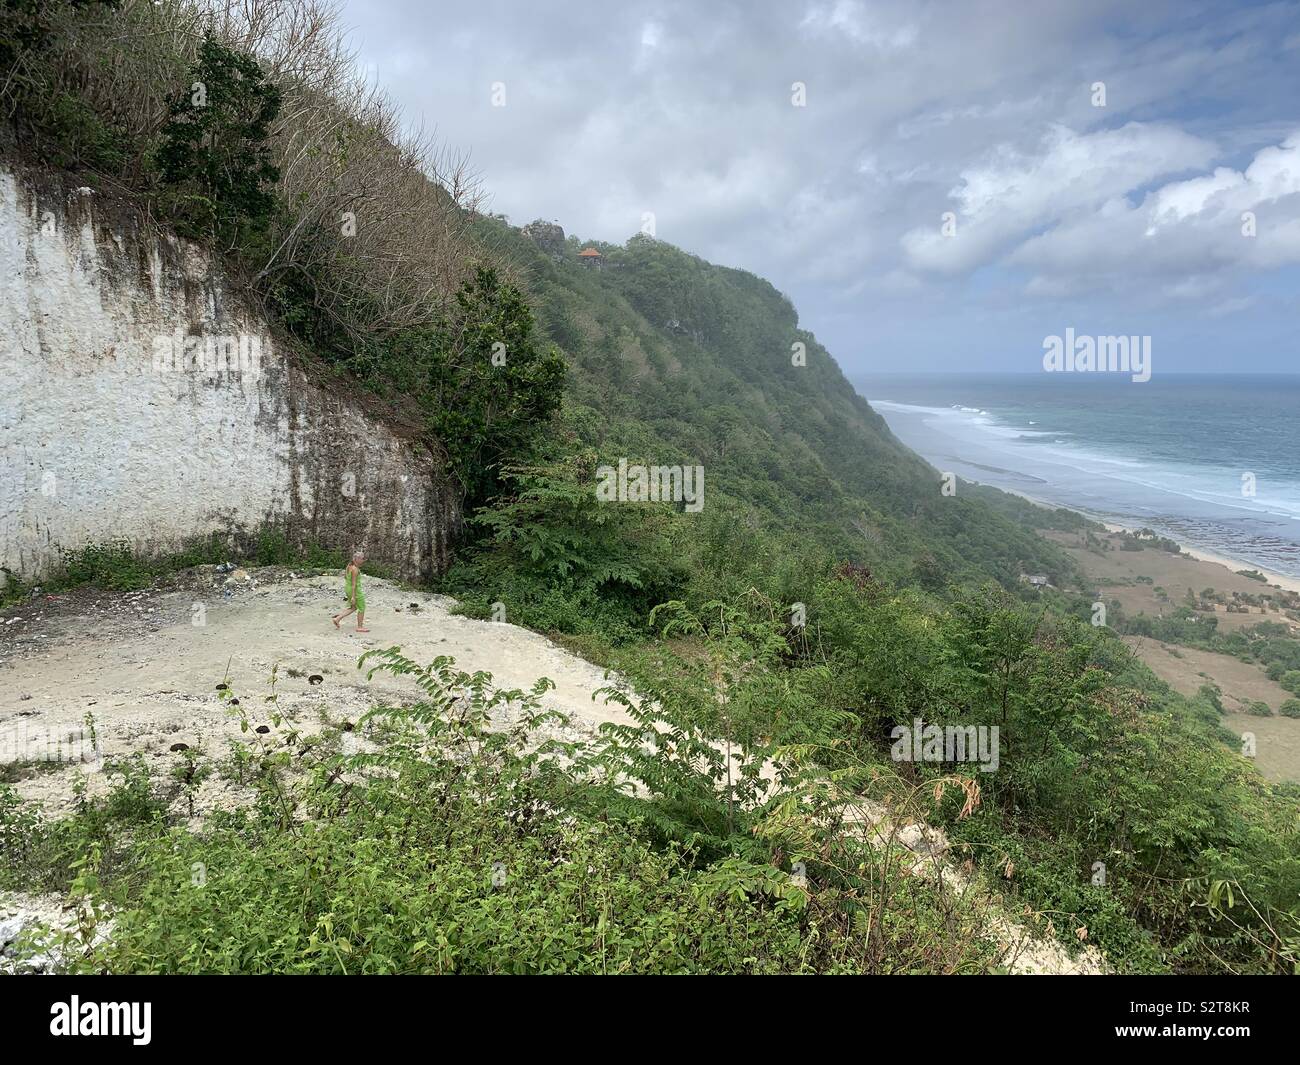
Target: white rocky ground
x=138, y=662
x=148, y=673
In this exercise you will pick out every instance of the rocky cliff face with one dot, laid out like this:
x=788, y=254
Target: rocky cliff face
x=144, y=398
x=548, y=236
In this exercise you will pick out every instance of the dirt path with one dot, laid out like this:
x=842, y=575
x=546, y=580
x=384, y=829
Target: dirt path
x=149, y=674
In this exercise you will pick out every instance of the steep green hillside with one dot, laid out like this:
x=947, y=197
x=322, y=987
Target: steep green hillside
x=673, y=360
x=677, y=360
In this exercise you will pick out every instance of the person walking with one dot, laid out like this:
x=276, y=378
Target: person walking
x=356, y=598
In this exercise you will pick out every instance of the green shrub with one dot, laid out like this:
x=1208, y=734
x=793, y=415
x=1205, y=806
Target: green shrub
x=559, y=558
x=485, y=380
x=214, y=157
x=455, y=846
x=1212, y=694
x=42, y=855
x=82, y=138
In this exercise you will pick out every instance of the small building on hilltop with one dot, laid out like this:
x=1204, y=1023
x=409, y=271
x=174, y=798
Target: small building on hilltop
x=590, y=257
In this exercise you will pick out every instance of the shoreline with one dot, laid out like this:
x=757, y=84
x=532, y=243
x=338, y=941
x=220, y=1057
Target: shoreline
x=1291, y=584
x=908, y=429
x=1198, y=554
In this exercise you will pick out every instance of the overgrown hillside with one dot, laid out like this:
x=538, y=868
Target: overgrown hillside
x=826, y=596
x=674, y=359
x=250, y=130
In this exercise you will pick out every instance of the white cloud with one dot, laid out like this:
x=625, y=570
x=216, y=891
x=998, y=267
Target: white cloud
x=914, y=109
x=1004, y=199
x=865, y=26
x=1185, y=227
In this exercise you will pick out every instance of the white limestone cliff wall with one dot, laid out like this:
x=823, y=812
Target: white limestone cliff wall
x=105, y=436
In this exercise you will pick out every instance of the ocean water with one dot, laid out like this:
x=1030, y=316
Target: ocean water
x=1211, y=460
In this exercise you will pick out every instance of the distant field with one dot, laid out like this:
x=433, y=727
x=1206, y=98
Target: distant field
x=1116, y=574
x=1185, y=669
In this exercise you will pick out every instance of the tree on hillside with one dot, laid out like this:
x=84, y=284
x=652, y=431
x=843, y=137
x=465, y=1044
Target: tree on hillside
x=488, y=384
x=215, y=159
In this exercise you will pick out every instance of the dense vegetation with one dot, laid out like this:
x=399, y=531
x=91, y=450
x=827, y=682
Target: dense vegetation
x=827, y=593
x=674, y=360
x=431, y=839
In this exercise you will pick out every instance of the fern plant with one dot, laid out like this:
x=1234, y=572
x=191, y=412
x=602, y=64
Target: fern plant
x=464, y=736
x=695, y=761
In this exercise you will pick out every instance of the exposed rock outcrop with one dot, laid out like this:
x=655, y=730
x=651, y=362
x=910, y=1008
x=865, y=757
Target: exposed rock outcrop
x=146, y=399
x=548, y=236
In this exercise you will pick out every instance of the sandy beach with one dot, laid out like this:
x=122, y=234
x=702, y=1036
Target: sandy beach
x=1234, y=567
x=1291, y=584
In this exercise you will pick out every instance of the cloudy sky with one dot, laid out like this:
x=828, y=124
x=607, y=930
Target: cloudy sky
x=961, y=180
